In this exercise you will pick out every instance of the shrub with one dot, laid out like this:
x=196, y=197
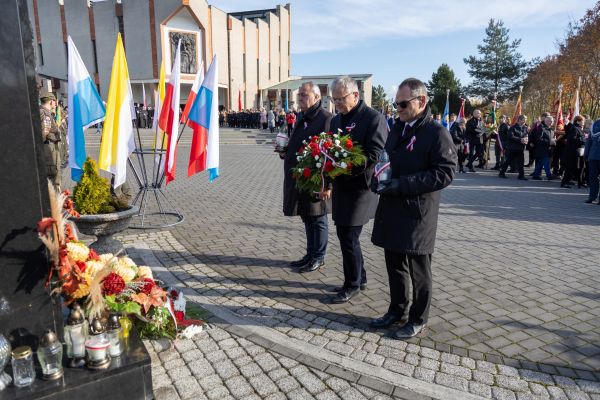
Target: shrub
x=92, y=193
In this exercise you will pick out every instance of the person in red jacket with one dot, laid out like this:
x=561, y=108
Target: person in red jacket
x=291, y=120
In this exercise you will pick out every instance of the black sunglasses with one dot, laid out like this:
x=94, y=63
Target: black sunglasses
x=403, y=103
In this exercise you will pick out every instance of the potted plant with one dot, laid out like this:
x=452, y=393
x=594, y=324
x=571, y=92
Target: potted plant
x=102, y=214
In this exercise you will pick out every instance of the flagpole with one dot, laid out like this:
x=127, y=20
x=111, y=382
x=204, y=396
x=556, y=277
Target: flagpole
x=560, y=88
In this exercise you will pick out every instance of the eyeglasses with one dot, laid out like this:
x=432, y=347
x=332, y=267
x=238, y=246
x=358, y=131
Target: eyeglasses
x=403, y=103
x=340, y=99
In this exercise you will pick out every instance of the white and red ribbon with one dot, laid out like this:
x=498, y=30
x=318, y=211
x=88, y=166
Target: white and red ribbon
x=350, y=127
x=411, y=145
x=378, y=171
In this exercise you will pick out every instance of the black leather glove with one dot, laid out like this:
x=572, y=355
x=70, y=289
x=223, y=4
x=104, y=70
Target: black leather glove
x=392, y=188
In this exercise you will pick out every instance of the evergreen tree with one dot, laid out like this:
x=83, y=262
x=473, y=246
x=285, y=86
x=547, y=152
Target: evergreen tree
x=378, y=98
x=442, y=80
x=501, y=68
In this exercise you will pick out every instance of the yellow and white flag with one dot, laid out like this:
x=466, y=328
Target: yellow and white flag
x=117, y=135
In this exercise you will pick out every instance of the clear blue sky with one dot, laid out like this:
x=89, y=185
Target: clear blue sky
x=396, y=39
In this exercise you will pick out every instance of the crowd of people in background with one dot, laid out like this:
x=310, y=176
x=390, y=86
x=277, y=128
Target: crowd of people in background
x=571, y=154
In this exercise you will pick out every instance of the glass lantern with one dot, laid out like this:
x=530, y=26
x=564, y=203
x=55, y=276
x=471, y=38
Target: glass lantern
x=96, y=347
x=75, y=336
x=22, y=366
x=114, y=336
x=50, y=352
x=5, y=352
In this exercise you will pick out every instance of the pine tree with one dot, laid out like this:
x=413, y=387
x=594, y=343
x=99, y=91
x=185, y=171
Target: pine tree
x=501, y=68
x=378, y=98
x=442, y=80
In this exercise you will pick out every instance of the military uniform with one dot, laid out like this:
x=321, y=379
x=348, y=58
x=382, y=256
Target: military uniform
x=51, y=136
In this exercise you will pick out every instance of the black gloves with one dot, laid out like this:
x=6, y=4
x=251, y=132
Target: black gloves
x=391, y=188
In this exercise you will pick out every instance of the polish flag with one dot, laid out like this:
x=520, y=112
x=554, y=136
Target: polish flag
x=169, y=117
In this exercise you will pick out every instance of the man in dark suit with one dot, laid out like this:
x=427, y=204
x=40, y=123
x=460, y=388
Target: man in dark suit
x=422, y=161
x=476, y=137
x=312, y=121
x=353, y=202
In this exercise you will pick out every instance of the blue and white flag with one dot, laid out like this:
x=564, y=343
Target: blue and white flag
x=446, y=115
x=85, y=109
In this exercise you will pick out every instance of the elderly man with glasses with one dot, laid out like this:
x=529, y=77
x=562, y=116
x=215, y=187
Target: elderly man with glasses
x=422, y=161
x=353, y=204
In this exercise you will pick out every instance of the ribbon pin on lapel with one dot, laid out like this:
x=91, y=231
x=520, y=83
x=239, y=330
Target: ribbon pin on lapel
x=411, y=144
x=305, y=124
x=349, y=128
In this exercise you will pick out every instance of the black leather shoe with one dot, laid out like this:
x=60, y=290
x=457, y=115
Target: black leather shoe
x=300, y=262
x=363, y=286
x=522, y=178
x=501, y=175
x=386, y=321
x=345, y=295
x=536, y=178
x=588, y=201
x=311, y=266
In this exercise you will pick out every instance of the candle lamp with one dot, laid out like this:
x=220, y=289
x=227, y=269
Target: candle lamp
x=22, y=366
x=96, y=347
x=75, y=336
x=114, y=336
x=50, y=352
x=5, y=351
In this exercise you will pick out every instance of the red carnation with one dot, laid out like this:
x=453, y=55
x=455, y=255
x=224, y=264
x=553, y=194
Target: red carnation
x=179, y=315
x=112, y=284
x=174, y=294
x=301, y=150
x=349, y=165
x=92, y=255
x=316, y=152
x=307, y=172
x=328, y=166
x=81, y=265
x=327, y=145
x=148, y=285
x=349, y=144
x=330, y=133
x=314, y=138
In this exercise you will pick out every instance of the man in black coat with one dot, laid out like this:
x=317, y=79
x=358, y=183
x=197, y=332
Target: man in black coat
x=542, y=140
x=457, y=131
x=313, y=210
x=517, y=140
x=353, y=202
x=422, y=161
x=501, y=139
x=475, y=136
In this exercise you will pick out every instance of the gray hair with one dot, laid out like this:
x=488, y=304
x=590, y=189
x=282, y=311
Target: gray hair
x=346, y=82
x=417, y=88
x=522, y=118
x=313, y=87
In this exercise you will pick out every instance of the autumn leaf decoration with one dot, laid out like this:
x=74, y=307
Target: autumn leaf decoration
x=157, y=297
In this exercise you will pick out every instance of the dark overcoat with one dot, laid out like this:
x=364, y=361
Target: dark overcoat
x=353, y=202
x=542, y=138
x=407, y=222
x=458, y=137
x=313, y=122
x=575, y=138
x=475, y=131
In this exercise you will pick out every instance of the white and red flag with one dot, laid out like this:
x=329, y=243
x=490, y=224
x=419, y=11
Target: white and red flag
x=169, y=116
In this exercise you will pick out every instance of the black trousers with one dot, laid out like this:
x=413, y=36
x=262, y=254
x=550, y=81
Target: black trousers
x=354, y=265
x=515, y=157
x=403, y=270
x=475, y=151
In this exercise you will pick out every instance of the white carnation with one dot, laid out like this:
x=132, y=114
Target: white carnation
x=337, y=142
x=343, y=165
x=317, y=158
x=337, y=154
x=318, y=165
x=344, y=154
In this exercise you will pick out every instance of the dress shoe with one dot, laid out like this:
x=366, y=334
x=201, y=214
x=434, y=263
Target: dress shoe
x=363, y=286
x=311, y=266
x=386, y=321
x=552, y=177
x=345, y=295
x=472, y=170
x=537, y=178
x=408, y=331
x=501, y=175
x=588, y=201
x=300, y=262
x=522, y=178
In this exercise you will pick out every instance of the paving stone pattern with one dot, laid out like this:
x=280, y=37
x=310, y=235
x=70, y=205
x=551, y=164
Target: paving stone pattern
x=479, y=377
x=218, y=366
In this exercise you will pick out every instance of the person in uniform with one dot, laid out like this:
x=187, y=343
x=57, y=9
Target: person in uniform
x=422, y=161
x=353, y=203
x=313, y=211
x=51, y=137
